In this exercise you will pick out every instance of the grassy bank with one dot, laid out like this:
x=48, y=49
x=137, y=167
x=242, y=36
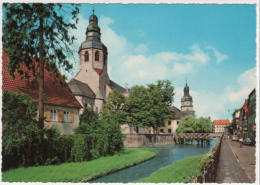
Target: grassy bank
x=174, y=173
x=74, y=172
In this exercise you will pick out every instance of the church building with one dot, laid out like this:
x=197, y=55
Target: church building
x=92, y=85
x=186, y=101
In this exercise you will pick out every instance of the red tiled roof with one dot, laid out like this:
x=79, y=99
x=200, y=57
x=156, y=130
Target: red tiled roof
x=245, y=108
x=221, y=122
x=54, y=92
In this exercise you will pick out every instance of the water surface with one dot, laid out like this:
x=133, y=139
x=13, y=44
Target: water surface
x=166, y=155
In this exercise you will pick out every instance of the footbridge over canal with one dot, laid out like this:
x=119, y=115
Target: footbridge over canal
x=181, y=137
x=195, y=135
x=137, y=140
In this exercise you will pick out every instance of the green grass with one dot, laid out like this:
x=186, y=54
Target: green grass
x=74, y=172
x=174, y=173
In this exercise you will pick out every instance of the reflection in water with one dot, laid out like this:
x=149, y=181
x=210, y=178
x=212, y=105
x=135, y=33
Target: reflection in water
x=166, y=155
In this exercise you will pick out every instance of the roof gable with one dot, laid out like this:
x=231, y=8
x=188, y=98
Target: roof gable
x=114, y=85
x=178, y=114
x=54, y=92
x=79, y=88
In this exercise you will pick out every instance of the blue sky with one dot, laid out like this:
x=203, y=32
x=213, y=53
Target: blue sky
x=213, y=46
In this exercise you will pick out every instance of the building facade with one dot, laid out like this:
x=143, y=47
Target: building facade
x=251, y=133
x=219, y=125
x=187, y=102
x=243, y=120
x=61, y=107
x=172, y=125
x=236, y=121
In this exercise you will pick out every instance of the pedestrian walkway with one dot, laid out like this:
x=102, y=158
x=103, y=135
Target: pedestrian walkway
x=246, y=157
x=229, y=169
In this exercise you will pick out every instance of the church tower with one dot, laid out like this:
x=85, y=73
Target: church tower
x=93, y=62
x=186, y=101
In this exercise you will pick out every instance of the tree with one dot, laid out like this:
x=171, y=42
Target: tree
x=189, y=124
x=20, y=130
x=149, y=107
x=37, y=36
x=114, y=106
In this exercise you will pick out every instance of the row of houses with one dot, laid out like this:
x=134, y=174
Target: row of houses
x=243, y=125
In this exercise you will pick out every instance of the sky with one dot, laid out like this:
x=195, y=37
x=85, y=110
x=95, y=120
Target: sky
x=212, y=46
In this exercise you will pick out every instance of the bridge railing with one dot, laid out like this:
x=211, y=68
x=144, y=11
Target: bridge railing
x=210, y=173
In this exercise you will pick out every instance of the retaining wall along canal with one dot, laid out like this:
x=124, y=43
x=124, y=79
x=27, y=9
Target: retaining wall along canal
x=137, y=140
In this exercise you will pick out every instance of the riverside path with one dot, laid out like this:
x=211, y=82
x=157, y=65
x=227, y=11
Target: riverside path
x=230, y=169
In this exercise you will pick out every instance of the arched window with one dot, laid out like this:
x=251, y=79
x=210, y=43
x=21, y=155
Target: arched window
x=97, y=56
x=86, y=56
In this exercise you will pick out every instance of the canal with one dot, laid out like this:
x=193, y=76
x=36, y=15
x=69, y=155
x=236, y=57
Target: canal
x=166, y=155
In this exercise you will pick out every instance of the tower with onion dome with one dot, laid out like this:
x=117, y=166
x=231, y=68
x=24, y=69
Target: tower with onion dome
x=187, y=102
x=92, y=84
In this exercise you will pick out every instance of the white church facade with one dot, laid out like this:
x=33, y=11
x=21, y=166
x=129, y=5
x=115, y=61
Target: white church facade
x=92, y=84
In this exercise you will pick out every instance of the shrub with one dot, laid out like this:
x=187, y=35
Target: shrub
x=57, y=145
x=79, y=150
x=21, y=135
x=96, y=138
x=22, y=144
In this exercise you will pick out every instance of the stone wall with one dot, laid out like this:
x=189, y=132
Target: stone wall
x=137, y=140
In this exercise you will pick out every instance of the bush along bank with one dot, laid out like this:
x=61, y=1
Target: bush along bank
x=79, y=171
x=208, y=165
x=25, y=144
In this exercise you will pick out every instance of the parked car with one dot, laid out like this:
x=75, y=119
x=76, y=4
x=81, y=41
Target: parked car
x=247, y=141
x=235, y=138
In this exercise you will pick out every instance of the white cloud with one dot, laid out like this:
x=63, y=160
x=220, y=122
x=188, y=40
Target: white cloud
x=246, y=83
x=130, y=63
x=105, y=21
x=247, y=79
x=182, y=68
x=217, y=104
x=135, y=62
x=198, y=55
x=219, y=56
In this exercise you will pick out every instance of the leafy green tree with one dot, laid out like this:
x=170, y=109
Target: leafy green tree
x=189, y=124
x=20, y=130
x=149, y=107
x=35, y=33
x=114, y=106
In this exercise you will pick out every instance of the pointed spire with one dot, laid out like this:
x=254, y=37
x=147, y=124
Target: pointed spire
x=93, y=9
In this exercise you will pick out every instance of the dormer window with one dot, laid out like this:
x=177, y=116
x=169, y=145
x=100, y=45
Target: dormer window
x=86, y=56
x=96, y=56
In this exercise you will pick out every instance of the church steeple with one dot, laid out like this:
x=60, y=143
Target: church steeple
x=93, y=35
x=186, y=90
x=186, y=101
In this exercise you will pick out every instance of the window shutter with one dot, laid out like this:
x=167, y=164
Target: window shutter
x=60, y=116
x=48, y=114
x=72, y=116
